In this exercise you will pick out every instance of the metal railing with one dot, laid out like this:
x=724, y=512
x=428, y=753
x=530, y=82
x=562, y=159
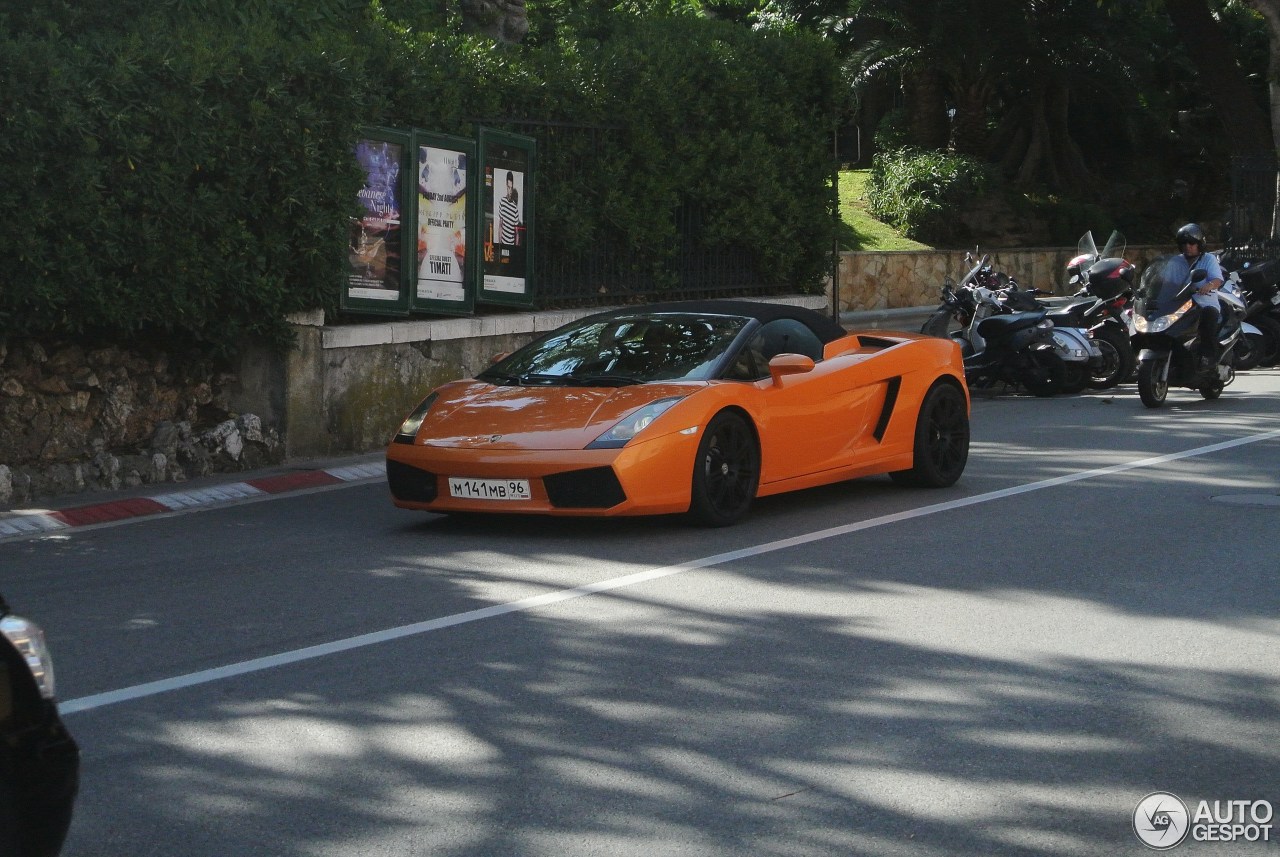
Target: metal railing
x=612, y=269
x=1253, y=202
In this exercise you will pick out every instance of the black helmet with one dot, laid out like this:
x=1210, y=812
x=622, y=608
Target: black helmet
x=1191, y=233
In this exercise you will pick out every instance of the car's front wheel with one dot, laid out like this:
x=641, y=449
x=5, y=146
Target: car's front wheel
x=726, y=471
x=941, y=440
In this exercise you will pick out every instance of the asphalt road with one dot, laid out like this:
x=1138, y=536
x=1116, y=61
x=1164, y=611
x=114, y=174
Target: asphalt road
x=1006, y=667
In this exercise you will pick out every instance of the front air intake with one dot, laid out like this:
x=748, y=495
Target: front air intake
x=592, y=488
x=410, y=484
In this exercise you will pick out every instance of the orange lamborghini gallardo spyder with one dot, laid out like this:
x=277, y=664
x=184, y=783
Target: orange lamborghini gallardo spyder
x=690, y=406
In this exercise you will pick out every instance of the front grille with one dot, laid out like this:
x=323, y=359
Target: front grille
x=592, y=488
x=409, y=483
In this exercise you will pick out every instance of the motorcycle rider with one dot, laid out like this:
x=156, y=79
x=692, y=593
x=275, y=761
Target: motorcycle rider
x=1192, y=256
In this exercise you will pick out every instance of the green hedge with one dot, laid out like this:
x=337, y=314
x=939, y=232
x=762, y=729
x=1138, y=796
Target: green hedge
x=183, y=171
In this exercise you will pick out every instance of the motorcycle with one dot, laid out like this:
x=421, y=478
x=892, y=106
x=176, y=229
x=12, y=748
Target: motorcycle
x=1106, y=279
x=1167, y=322
x=1259, y=286
x=999, y=346
x=997, y=292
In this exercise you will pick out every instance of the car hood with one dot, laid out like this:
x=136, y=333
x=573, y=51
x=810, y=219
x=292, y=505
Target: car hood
x=473, y=414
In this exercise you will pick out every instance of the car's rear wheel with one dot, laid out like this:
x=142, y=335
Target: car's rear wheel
x=941, y=440
x=726, y=471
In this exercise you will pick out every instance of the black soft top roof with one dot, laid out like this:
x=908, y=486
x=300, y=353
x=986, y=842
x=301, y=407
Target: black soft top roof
x=822, y=326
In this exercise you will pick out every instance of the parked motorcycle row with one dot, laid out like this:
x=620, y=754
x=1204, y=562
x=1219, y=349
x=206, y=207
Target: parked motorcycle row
x=1117, y=327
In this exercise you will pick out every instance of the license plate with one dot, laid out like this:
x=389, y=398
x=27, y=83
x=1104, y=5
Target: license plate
x=489, y=489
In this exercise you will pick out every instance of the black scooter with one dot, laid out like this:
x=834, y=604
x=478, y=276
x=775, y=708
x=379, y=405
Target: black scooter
x=999, y=347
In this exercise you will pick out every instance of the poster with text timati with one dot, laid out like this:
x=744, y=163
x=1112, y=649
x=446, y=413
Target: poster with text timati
x=442, y=224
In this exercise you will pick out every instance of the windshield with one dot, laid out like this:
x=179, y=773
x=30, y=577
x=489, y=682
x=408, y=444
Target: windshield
x=620, y=350
x=1115, y=245
x=1159, y=286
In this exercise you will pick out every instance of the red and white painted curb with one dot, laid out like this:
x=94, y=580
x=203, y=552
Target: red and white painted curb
x=26, y=522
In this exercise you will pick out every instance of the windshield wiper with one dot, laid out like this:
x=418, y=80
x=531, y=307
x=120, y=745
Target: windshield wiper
x=603, y=380
x=542, y=379
x=498, y=378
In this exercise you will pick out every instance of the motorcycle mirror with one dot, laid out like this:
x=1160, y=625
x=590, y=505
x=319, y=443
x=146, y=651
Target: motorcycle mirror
x=1199, y=275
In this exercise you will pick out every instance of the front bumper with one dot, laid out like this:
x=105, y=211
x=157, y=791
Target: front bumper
x=647, y=478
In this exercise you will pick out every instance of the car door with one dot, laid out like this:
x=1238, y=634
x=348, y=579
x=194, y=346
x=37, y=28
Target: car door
x=808, y=422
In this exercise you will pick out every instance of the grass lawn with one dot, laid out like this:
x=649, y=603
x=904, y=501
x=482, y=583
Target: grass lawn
x=861, y=231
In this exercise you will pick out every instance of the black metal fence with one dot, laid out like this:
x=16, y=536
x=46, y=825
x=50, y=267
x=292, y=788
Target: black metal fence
x=613, y=269
x=1249, y=223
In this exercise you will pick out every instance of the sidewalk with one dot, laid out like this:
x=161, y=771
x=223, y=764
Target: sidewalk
x=72, y=511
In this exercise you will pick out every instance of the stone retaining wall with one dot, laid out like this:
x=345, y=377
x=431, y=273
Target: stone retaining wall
x=74, y=419
x=879, y=281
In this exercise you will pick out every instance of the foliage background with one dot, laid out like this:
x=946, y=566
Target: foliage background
x=181, y=172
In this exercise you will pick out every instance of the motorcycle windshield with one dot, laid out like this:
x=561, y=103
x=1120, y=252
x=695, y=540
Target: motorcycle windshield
x=1157, y=291
x=1115, y=245
x=968, y=278
x=1086, y=247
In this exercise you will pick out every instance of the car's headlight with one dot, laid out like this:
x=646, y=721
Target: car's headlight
x=28, y=639
x=409, y=428
x=632, y=424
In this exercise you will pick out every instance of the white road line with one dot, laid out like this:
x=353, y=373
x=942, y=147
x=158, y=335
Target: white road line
x=153, y=688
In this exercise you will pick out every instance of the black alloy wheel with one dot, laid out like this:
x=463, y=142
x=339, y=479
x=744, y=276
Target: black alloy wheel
x=941, y=441
x=726, y=471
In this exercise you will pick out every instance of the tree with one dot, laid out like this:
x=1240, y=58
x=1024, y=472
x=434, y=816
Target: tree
x=1222, y=82
x=1270, y=12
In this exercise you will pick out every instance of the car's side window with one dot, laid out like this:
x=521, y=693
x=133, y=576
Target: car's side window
x=788, y=336
x=750, y=364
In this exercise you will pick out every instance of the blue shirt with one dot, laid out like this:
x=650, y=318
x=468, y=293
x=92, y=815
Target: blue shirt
x=1180, y=267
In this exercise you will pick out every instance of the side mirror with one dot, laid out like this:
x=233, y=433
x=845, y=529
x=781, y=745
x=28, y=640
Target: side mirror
x=1199, y=275
x=789, y=364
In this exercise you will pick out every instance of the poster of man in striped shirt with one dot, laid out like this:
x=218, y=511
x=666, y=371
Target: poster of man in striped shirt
x=508, y=208
x=506, y=258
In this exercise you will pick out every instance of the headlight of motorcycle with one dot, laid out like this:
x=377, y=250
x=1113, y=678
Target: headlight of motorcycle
x=28, y=639
x=632, y=424
x=409, y=428
x=1139, y=323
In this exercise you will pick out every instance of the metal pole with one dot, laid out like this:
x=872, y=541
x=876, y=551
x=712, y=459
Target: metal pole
x=835, y=237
